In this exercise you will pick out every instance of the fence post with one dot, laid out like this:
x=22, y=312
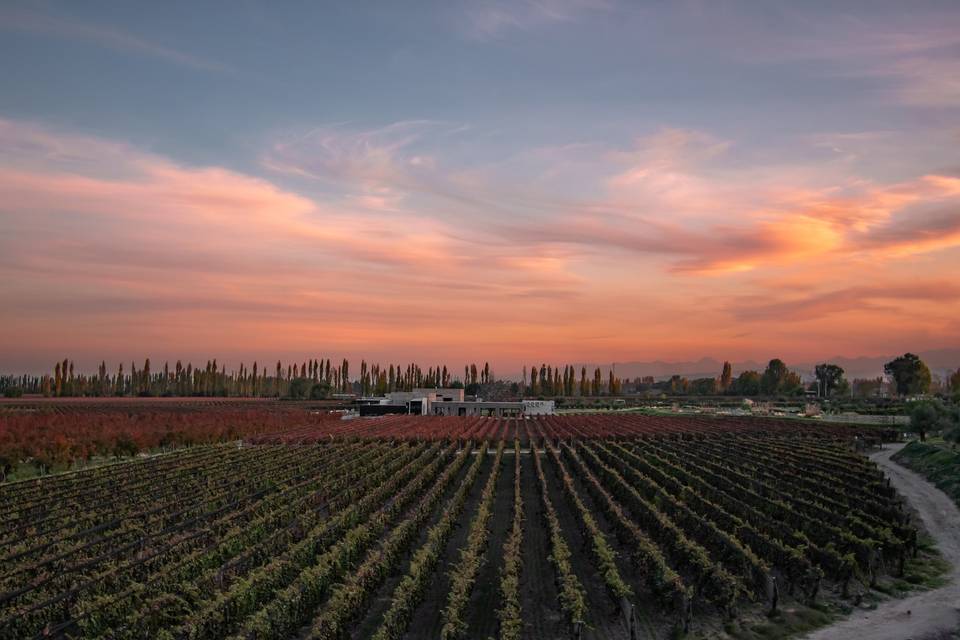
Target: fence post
x=774, y=594
x=626, y=609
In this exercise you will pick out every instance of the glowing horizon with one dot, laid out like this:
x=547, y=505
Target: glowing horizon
x=457, y=185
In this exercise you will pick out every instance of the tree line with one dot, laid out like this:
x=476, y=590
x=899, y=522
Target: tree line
x=320, y=378
x=315, y=378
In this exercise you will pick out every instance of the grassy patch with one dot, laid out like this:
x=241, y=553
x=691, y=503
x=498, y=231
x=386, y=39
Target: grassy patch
x=928, y=571
x=937, y=463
x=786, y=622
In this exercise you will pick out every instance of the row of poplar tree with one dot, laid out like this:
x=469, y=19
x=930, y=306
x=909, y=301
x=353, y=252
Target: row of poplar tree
x=312, y=378
x=320, y=377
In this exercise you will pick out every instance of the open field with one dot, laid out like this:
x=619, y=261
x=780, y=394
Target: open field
x=409, y=527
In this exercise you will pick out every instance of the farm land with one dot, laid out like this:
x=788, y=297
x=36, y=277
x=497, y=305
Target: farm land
x=289, y=522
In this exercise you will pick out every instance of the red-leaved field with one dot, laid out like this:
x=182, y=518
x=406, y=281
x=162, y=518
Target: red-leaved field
x=286, y=522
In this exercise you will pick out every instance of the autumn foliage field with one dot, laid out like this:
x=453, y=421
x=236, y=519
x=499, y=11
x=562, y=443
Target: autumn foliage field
x=49, y=436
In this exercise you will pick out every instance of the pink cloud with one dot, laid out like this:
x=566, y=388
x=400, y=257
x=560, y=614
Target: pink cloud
x=677, y=198
x=123, y=241
x=859, y=300
x=111, y=247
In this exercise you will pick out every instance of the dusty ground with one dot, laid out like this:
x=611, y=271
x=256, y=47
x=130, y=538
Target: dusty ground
x=925, y=615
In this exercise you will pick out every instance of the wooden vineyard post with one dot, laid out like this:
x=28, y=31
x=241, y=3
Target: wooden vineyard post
x=630, y=618
x=814, y=588
x=878, y=566
x=774, y=594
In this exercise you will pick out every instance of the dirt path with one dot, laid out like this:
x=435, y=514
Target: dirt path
x=927, y=613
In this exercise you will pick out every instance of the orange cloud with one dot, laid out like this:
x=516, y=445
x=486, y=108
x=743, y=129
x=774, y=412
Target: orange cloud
x=861, y=299
x=113, y=251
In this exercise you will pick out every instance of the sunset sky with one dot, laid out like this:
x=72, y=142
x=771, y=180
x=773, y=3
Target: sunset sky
x=553, y=180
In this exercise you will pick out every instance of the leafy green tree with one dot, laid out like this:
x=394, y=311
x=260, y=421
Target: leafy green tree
x=909, y=373
x=774, y=377
x=703, y=386
x=954, y=382
x=299, y=388
x=829, y=377
x=677, y=385
x=843, y=388
x=933, y=415
x=951, y=431
x=867, y=387
x=320, y=390
x=953, y=436
x=792, y=384
x=747, y=384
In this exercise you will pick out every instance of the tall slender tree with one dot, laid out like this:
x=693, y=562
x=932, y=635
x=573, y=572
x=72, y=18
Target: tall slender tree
x=726, y=377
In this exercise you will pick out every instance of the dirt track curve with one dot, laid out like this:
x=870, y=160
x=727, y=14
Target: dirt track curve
x=927, y=613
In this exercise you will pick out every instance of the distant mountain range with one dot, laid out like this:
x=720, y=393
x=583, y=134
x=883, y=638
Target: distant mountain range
x=940, y=362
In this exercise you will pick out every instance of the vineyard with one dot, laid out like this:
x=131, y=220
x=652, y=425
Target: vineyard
x=57, y=436
x=403, y=527
x=625, y=425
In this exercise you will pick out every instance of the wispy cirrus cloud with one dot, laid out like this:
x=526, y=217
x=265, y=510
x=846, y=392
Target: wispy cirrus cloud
x=375, y=167
x=858, y=300
x=48, y=24
x=491, y=19
x=919, y=61
x=925, y=81
x=906, y=58
x=675, y=194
